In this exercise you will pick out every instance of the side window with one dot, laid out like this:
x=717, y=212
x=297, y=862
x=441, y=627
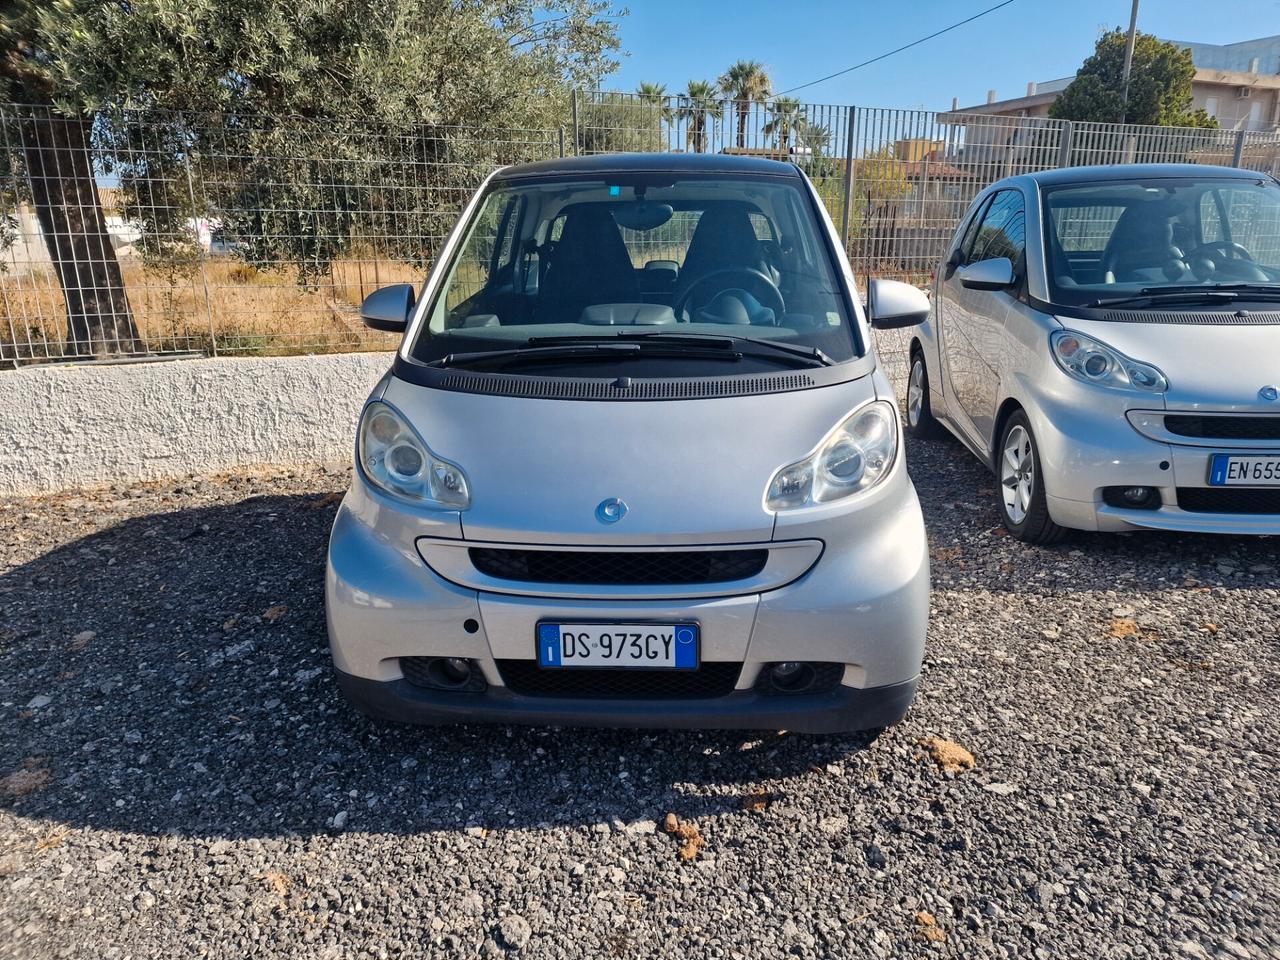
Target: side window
x=487, y=251
x=970, y=231
x=1003, y=232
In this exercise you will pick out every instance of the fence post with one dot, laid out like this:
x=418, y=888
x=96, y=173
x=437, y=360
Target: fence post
x=1064, y=143
x=1237, y=157
x=200, y=254
x=848, y=178
x=576, y=139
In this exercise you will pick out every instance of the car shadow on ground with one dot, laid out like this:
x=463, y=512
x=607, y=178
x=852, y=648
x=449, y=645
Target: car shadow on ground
x=169, y=674
x=204, y=703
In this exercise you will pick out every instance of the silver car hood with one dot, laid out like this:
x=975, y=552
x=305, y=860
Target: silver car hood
x=689, y=471
x=1209, y=366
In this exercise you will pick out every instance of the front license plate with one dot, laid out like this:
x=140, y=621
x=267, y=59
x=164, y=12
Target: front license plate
x=1229, y=470
x=653, y=646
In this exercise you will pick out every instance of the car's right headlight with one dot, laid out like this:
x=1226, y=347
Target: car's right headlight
x=397, y=460
x=854, y=456
x=1092, y=361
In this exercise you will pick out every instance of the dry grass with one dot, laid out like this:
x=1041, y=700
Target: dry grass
x=237, y=306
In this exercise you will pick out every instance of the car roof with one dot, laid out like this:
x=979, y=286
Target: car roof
x=1135, y=171
x=603, y=164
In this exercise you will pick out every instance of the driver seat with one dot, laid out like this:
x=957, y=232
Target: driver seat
x=723, y=240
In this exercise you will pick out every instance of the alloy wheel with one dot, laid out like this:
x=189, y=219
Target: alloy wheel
x=915, y=392
x=1017, y=474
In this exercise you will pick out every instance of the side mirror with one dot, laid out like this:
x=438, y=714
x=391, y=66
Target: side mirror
x=892, y=304
x=996, y=274
x=388, y=308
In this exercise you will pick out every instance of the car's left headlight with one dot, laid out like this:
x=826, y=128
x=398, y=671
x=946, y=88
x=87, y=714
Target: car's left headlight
x=853, y=457
x=1095, y=362
x=396, y=459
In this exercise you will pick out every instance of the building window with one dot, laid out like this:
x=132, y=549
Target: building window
x=1211, y=106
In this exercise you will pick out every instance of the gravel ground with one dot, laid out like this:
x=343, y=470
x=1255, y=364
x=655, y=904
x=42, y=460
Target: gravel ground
x=179, y=777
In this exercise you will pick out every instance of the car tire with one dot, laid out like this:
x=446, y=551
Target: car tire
x=920, y=421
x=1020, y=485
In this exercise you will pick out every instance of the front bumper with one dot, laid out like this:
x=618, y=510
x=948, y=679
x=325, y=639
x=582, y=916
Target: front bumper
x=864, y=604
x=1085, y=448
x=837, y=711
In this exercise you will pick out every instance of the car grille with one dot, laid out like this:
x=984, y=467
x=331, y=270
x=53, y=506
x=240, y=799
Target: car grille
x=707, y=681
x=618, y=567
x=1215, y=500
x=1223, y=428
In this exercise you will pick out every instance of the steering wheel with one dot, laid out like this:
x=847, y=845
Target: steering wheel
x=755, y=277
x=1223, y=247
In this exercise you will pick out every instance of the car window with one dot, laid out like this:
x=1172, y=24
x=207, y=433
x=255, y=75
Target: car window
x=1122, y=237
x=1210, y=218
x=476, y=262
x=1085, y=228
x=711, y=255
x=668, y=241
x=1003, y=230
x=971, y=231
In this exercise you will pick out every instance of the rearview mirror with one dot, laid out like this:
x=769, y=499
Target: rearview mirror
x=388, y=308
x=892, y=304
x=994, y=274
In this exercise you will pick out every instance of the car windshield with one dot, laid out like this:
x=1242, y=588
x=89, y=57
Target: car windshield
x=642, y=268
x=1148, y=241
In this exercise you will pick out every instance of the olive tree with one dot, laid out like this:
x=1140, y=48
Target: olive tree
x=159, y=85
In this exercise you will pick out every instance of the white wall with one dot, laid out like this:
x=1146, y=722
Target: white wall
x=82, y=426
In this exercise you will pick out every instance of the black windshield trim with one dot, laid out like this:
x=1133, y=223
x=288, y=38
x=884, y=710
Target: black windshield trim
x=676, y=386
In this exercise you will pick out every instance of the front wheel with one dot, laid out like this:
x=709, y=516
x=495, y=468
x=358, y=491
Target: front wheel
x=1021, y=497
x=920, y=421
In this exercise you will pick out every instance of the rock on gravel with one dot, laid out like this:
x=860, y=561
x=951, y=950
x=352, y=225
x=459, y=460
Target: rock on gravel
x=183, y=790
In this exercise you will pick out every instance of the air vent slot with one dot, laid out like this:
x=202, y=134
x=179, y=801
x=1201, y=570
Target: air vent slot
x=1197, y=318
x=560, y=388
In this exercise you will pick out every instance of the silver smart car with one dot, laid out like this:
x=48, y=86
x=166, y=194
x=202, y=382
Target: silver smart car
x=635, y=465
x=1107, y=340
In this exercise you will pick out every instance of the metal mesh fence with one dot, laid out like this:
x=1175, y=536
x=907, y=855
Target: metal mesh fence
x=179, y=233
x=140, y=233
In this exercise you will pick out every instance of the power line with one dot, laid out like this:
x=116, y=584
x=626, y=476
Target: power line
x=913, y=43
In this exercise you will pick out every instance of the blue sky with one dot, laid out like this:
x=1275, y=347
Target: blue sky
x=672, y=41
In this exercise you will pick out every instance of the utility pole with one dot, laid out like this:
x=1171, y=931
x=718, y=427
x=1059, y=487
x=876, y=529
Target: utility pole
x=1128, y=62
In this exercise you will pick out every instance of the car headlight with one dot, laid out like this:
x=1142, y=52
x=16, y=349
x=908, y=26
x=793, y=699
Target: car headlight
x=854, y=456
x=1094, y=362
x=394, y=458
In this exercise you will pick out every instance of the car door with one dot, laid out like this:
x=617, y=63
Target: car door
x=960, y=363
x=977, y=318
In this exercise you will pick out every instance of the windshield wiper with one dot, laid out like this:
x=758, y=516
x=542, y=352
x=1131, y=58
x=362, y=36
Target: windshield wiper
x=578, y=353
x=1194, y=293
x=745, y=346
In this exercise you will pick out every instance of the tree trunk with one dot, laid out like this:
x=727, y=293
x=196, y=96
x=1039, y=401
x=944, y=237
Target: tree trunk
x=744, y=108
x=56, y=150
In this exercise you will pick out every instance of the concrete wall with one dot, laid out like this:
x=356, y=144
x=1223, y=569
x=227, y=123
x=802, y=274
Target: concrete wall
x=82, y=426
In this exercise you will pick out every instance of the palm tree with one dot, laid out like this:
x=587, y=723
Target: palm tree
x=813, y=137
x=653, y=97
x=785, y=115
x=744, y=82
x=697, y=104
x=656, y=95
